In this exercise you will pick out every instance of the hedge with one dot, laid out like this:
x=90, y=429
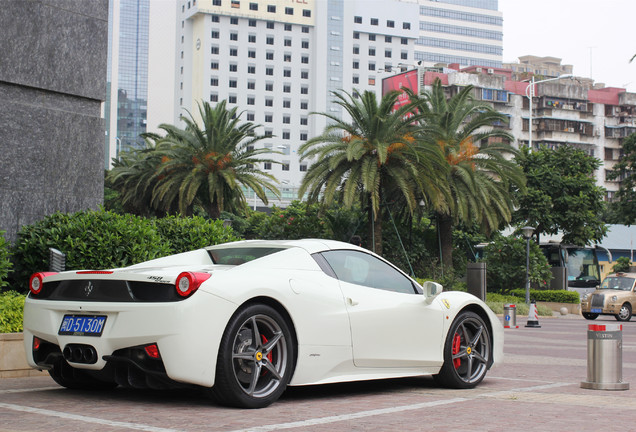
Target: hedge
x=11, y=312
x=5, y=261
x=557, y=296
x=103, y=239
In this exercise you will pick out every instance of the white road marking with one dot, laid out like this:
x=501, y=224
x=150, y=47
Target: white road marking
x=279, y=426
x=352, y=416
x=371, y=413
x=94, y=420
x=29, y=390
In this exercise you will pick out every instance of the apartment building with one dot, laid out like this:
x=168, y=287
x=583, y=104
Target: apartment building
x=546, y=67
x=279, y=62
x=564, y=112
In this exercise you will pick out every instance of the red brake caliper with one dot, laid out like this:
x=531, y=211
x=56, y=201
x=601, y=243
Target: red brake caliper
x=456, y=346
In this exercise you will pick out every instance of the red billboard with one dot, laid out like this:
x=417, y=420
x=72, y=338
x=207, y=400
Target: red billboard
x=398, y=82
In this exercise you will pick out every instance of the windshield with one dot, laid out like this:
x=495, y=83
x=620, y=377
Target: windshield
x=240, y=255
x=582, y=266
x=618, y=283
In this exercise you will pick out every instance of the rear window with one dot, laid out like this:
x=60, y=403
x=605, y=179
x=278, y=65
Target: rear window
x=240, y=255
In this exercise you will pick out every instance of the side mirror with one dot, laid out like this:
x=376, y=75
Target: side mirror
x=432, y=288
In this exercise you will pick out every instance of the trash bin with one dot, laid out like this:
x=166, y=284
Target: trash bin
x=476, y=279
x=510, y=316
x=605, y=358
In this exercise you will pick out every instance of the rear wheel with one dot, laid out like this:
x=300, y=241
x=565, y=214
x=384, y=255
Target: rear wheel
x=467, y=352
x=589, y=316
x=256, y=358
x=625, y=313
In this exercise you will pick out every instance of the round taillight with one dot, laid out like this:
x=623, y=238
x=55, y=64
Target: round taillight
x=37, y=281
x=189, y=282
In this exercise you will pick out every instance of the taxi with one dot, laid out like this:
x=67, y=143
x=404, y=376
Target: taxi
x=615, y=296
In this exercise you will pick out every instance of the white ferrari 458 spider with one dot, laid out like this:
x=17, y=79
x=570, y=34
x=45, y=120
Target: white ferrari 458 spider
x=249, y=318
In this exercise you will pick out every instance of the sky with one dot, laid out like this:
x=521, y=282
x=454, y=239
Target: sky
x=596, y=37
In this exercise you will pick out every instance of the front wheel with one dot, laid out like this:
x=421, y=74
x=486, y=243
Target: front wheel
x=625, y=313
x=467, y=352
x=589, y=316
x=256, y=358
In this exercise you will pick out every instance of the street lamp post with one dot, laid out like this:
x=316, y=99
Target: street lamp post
x=527, y=234
x=530, y=95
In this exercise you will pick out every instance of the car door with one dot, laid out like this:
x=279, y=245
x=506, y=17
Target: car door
x=392, y=325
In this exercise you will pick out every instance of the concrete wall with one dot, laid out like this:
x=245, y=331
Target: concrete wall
x=53, y=57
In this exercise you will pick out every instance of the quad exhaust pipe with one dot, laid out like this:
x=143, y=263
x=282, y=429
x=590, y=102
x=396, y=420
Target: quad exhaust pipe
x=78, y=353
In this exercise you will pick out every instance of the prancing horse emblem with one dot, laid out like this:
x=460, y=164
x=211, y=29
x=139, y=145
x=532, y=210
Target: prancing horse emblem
x=88, y=289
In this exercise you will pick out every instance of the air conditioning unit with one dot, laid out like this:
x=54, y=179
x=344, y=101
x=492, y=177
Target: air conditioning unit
x=491, y=71
x=570, y=129
x=478, y=69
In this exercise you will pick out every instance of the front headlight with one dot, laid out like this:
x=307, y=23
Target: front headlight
x=614, y=298
x=586, y=296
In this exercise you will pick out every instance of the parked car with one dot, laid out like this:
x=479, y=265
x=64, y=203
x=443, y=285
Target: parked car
x=615, y=296
x=246, y=319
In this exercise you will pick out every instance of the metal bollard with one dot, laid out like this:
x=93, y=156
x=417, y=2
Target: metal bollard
x=510, y=316
x=605, y=358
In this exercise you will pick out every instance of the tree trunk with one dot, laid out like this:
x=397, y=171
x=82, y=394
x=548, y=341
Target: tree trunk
x=214, y=211
x=375, y=232
x=445, y=232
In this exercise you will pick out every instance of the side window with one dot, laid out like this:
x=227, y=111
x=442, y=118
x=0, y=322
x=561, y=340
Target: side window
x=364, y=269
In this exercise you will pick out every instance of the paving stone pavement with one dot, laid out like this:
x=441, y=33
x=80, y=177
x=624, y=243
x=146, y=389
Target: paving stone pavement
x=536, y=389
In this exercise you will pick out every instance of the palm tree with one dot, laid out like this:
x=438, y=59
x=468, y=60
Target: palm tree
x=134, y=176
x=370, y=159
x=208, y=165
x=479, y=175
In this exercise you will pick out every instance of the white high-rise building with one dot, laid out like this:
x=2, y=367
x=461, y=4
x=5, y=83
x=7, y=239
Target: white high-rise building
x=278, y=62
x=466, y=32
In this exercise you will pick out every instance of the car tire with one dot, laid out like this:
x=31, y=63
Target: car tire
x=625, y=313
x=467, y=352
x=76, y=379
x=256, y=358
x=589, y=315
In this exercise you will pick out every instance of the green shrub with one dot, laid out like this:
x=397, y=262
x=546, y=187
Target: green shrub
x=182, y=234
x=5, y=261
x=11, y=312
x=622, y=265
x=506, y=264
x=90, y=240
x=558, y=296
x=497, y=301
x=299, y=220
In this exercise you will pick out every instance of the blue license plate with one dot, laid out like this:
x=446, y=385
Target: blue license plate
x=597, y=310
x=82, y=325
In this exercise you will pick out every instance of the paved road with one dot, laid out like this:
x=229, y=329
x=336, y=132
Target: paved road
x=536, y=389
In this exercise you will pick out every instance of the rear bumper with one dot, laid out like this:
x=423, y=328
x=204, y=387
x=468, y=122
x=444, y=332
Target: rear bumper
x=187, y=333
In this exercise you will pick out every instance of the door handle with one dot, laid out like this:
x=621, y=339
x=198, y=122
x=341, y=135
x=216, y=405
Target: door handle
x=351, y=301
